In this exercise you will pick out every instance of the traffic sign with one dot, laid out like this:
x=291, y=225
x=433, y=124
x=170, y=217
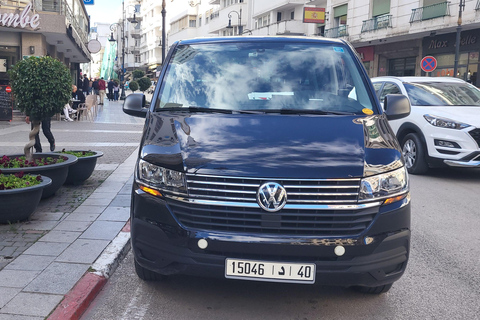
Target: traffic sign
x=428, y=64
x=8, y=89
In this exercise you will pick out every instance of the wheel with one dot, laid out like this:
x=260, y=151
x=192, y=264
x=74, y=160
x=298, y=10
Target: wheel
x=414, y=154
x=147, y=275
x=373, y=290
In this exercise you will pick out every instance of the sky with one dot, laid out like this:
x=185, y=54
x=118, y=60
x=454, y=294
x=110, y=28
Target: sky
x=108, y=11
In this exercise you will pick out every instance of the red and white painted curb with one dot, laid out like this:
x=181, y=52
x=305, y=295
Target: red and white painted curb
x=77, y=300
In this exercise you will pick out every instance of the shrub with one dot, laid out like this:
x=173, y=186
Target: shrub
x=133, y=85
x=137, y=74
x=144, y=83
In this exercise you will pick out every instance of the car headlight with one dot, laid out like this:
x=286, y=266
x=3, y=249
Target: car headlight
x=444, y=122
x=392, y=186
x=160, y=178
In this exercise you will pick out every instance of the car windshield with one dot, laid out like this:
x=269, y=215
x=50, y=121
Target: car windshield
x=264, y=76
x=442, y=94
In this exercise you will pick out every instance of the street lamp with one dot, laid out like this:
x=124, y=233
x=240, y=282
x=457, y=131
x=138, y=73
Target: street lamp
x=113, y=27
x=457, y=40
x=240, y=27
x=164, y=12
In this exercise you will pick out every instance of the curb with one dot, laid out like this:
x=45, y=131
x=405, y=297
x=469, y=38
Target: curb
x=79, y=298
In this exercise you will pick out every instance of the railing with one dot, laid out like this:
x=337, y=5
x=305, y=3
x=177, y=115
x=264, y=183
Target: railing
x=337, y=32
x=380, y=22
x=430, y=12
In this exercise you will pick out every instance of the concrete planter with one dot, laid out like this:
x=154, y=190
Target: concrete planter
x=57, y=172
x=19, y=204
x=83, y=169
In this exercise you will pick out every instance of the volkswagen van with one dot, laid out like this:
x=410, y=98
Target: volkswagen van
x=269, y=159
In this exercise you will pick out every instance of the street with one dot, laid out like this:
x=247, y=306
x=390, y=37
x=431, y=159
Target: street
x=442, y=280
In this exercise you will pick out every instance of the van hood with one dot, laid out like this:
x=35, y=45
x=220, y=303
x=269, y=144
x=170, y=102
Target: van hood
x=271, y=145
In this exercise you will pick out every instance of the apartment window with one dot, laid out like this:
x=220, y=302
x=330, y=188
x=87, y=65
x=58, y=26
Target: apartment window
x=340, y=15
x=137, y=58
x=380, y=7
x=279, y=16
x=200, y=21
x=262, y=21
x=292, y=15
x=192, y=23
x=431, y=2
x=137, y=42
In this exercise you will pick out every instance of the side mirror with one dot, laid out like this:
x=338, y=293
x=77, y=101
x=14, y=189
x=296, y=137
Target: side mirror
x=396, y=106
x=134, y=105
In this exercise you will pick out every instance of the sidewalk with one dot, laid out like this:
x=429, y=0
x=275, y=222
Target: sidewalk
x=76, y=234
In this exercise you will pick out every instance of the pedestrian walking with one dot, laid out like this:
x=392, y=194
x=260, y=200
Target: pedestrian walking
x=90, y=86
x=80, y=85
x=116, y=88
x=110, y=86
x=46, y=125
x=101, y=89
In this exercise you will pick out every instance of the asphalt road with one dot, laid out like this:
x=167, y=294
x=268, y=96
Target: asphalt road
x=442, y=279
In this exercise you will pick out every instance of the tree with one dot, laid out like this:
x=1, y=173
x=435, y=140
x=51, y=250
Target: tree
x=41, y=87
x=133, y=85
x=144, y=83
x=137, y=74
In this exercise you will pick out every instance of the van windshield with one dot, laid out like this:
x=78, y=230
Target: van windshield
x=264, y=76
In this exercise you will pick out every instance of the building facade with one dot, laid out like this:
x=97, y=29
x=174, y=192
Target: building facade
x=57, y=28
x=391, y=36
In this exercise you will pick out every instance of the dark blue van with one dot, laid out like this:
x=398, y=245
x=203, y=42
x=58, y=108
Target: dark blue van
x=270, y=159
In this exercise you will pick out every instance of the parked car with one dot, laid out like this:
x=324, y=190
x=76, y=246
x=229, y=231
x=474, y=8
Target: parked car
x=256, y=164
x=443, y=128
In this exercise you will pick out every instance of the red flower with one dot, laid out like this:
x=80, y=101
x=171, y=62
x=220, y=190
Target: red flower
x=39, y=178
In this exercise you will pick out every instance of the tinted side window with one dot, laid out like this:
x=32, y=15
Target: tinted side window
x=377, y=86
x=389, y=88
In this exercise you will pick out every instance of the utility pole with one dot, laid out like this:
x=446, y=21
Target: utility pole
x=457, y=40
x=164, y=12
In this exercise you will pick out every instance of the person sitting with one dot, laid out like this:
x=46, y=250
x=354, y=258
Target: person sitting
x=67, y=110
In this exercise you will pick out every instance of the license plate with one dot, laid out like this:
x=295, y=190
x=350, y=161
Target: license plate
x=270, y=271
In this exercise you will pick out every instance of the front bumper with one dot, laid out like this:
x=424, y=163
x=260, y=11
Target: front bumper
x=162, y=245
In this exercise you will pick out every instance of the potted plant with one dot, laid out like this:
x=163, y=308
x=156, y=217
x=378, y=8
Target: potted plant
x=52, y=165
x=83, y=169
x=41, y=87
x=20, y=194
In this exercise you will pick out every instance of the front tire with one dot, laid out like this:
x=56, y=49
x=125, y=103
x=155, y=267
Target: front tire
x=414, y=152
x=145, y=274
x=373, y=290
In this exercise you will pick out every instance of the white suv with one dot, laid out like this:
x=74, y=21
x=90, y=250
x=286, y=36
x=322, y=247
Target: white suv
x=443, y=127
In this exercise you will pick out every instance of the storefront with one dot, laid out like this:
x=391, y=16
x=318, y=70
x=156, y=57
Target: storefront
x=367, y=55
x=442, y=47
x=398, y=58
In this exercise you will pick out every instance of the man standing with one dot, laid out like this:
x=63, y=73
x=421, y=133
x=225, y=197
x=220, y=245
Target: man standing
x=86, y=84
x=101, y=89
x=80, y=85
x=110, y=86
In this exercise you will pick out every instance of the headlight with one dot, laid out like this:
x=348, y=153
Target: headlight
x=385, y=185
x=444, y=122
x=160, y=178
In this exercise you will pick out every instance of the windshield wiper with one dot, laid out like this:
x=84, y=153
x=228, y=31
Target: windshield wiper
x=196, y=109
x=305, y=111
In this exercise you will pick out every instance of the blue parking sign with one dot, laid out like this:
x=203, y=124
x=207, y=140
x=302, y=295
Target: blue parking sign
x=87, y=2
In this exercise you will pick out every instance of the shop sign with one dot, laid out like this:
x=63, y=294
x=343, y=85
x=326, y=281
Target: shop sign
x=446, y=43
x=366, y=53
x=21, y=20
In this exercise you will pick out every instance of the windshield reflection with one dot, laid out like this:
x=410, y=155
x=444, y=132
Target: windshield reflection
x=236, y=77
x=442, y=94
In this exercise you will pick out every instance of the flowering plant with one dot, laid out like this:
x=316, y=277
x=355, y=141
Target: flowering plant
x=18, y=180
x=22, y=162
x=79, y=154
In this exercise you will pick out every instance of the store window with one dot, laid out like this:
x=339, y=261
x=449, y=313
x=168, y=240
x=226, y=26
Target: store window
x=402, y=67
x=468, y=65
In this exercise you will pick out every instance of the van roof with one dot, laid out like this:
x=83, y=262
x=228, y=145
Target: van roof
x=262, y=39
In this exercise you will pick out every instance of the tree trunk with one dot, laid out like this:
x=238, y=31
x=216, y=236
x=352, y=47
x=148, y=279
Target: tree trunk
x=28, y=149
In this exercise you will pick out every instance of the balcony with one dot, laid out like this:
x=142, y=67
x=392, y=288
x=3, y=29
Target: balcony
x=380, y=22
x=136, y=34
x=430, y=12
x=337, y=32
x=133, y=50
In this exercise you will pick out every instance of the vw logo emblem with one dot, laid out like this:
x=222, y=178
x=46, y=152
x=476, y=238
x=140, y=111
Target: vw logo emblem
x=271, y=196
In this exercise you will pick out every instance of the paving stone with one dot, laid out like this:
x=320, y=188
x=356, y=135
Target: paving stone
x=60, y=236
x=30, y=263
x=83, y=251
x=72, y=226
x=16, y=278
x=90, y=217
x=121, y=200
x=7, y=294
x=38, y=225
x=32, y=304
x=115, y=214
x=90, y=209
x=41, y=248
x=104, y=230
x=18, y=317
x=58, y=278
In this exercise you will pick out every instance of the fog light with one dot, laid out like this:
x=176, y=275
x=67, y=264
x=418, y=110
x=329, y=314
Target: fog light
x=339, y=251
x=368, y=240
x=202, y=244
x=446, y=144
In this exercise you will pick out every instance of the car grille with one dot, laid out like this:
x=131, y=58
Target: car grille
x=314, y=207
x=475, y=133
